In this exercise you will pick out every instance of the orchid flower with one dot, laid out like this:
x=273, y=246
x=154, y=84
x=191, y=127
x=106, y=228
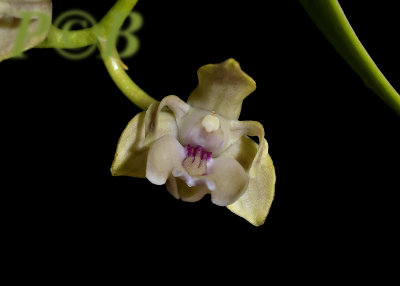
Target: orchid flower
x=200, y=147
x=14, y=14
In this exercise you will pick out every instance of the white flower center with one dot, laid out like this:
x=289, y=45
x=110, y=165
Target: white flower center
x=204, y=128
x=210, y=123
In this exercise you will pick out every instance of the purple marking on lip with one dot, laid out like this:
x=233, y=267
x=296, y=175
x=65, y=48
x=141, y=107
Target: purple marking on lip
x=189, y=150
x=193, y=152
x=197, y=150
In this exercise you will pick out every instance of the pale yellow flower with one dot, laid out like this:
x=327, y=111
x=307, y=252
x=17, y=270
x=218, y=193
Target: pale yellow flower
x=200, y=147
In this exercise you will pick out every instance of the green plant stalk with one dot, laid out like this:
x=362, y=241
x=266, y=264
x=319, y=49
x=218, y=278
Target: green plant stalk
x=116, y=16
x=114, y=19
x=60, y=39
x=100, y=34
x=116, y=69
x=331, y=20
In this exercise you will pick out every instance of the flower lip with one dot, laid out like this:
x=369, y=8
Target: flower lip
x=196, y=160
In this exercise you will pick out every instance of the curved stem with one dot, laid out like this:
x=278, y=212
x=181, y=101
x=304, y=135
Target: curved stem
x=112, y=21
x=63, y=39
x=331, y=20
x=116, y=16
x=102, y=34
x=115, y=68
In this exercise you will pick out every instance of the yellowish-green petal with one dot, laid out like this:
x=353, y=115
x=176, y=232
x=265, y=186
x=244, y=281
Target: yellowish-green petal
x=252, y=128
x=222, y=88
x=133, y=146
x=255, y=203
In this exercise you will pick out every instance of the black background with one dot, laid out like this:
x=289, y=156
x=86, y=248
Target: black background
x=334, y=143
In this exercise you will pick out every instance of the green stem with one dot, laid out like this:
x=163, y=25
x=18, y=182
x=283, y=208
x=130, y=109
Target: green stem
x=103, y=34
x=331, y=20
x=63, y=39
x=116, y=16
x=113, y=20
x=117, y=72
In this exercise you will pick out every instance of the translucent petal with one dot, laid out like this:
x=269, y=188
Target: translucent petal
x=255, y=203
x=191, y=194
x=172, y=187
x=180, y=190
x=132, y=150
x=177, y=105
x=11, y=19
x=222, y=88
x=243, y=151
x=17, y=7
x=252, y=128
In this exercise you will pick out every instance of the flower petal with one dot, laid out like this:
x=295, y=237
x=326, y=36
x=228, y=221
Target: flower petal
x=252, y=128
x=230, y=180
x=172, y=187
x=243, y=151
x=177, y=106
x=164, y=155
x=222, y=88
x=191, y=194
x=179, y=189
x=192, y=181
x=226, y=182
x=255, y=203
x=11, y=19
x=131, y=155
